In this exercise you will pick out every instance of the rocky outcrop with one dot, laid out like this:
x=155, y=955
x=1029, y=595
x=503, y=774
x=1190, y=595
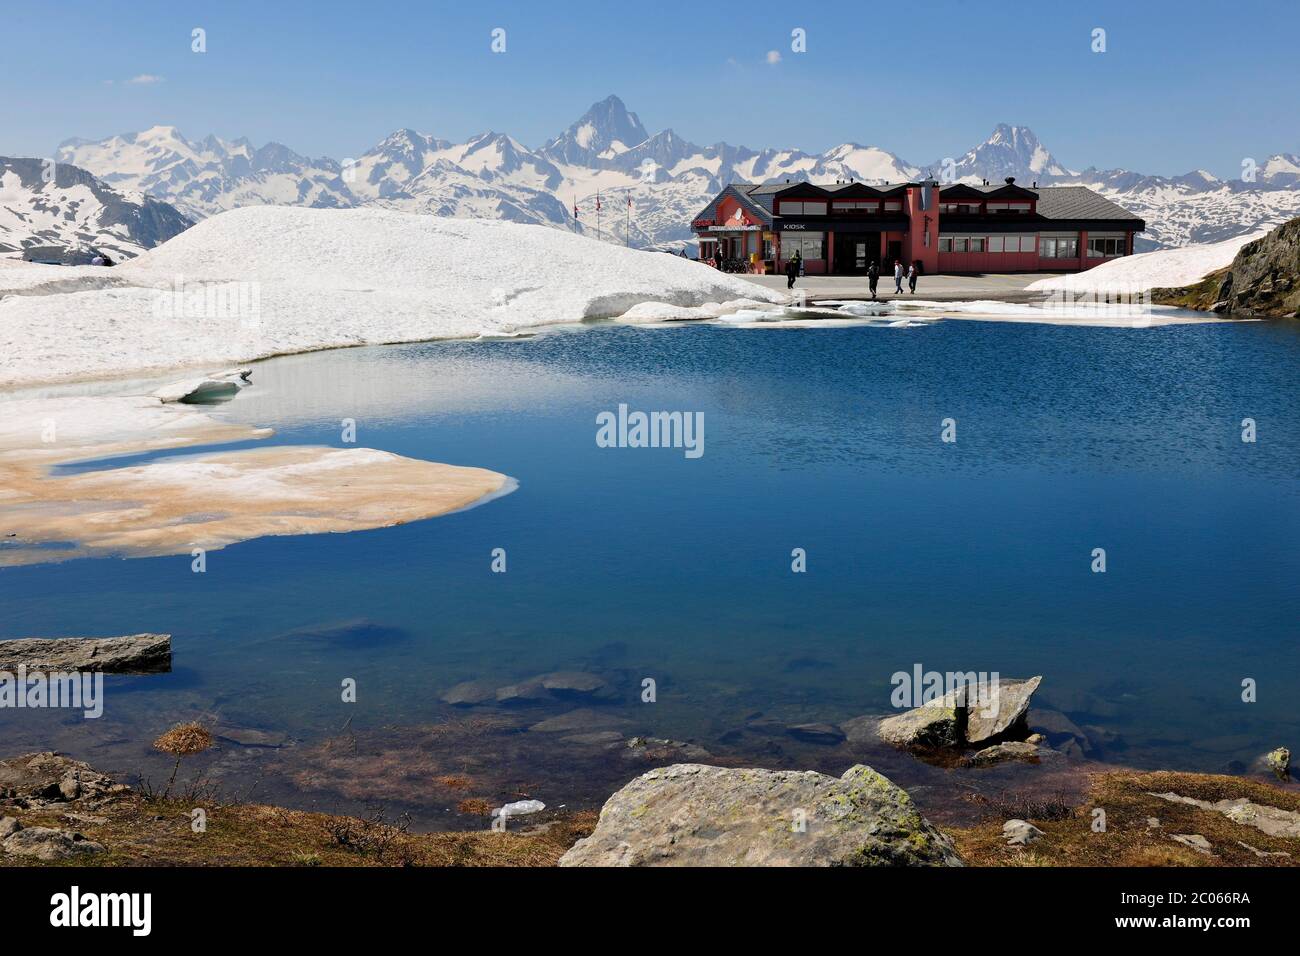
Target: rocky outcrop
x=555, y=686
x=48, y=844
x=1263, y=280
x=1273, y=821
x=136, y=654
x=975, y=714
x=46, y=779
x=696, y=815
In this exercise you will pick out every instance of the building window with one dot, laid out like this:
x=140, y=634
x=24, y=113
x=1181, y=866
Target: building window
x=996, y=243
x=1103, y=247
x=1055, y=248
x=960, y=244
x=806, y=207
x=893, y=205
x=945, y=243
x=977, y=244
x=810, y=245
x=855, y=205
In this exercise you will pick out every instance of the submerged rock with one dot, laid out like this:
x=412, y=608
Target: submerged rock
x=654, y=748
x=697, y=815
x=825, y=734
x=557, y=685
x=470, y=692
x=579, y=683
x=580, y=721
x=250, y=736
x=1031, y=751
x=134, y=654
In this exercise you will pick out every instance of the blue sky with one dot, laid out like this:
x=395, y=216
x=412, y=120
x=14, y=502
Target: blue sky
x=1181, y=85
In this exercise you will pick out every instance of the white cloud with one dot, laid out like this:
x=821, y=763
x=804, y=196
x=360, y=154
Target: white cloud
x=145, y=79
x=773, y=57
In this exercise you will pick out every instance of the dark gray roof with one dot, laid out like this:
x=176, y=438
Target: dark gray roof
x=1078, y=202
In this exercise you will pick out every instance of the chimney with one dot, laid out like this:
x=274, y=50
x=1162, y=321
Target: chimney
x=1010, y=180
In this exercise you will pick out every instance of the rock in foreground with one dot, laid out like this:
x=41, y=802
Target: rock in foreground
x=696, y=815
x=136, y=654
x=975, y=714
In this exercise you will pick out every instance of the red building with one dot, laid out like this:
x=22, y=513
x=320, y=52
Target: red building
x=841, y=229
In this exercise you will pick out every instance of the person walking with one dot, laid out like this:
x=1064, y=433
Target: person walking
x=791, y=271
x=873, y=276
x=911, y=277
x=898, y=276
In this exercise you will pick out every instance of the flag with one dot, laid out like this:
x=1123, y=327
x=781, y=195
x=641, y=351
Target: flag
x=597, y=202
x=575, y=207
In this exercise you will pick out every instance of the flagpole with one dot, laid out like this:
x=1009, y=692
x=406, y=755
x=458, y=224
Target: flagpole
x=627, y=230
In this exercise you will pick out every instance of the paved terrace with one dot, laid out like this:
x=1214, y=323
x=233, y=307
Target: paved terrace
x=1000, y=288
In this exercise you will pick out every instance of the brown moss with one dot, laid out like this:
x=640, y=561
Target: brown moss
x=1128, y=840
x=137, y=832
x=476, y=806
x=1201, y=295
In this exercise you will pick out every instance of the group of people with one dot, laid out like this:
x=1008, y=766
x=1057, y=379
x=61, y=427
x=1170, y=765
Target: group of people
x=873, y=276
x=794, y=269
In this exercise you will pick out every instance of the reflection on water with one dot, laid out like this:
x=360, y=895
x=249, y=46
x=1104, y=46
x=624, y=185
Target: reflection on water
x=630, y=564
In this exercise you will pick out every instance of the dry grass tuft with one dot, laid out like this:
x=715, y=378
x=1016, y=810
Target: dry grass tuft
x=184, y=740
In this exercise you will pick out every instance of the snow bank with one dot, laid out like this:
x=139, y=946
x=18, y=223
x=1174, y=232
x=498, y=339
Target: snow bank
x=262, y=281
x=1149, y=270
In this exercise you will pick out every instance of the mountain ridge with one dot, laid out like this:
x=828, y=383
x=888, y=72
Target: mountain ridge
x=666, y=177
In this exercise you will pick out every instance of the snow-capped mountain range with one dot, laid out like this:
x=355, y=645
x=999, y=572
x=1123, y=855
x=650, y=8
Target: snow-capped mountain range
x=666, y=178
x=58, y=211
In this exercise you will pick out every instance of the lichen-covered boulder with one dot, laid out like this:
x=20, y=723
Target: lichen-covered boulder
x=697, y=815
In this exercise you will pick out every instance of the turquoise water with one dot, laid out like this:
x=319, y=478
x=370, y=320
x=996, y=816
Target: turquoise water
x=635, y=563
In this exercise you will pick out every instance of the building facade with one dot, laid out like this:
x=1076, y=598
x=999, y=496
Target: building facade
x=841, y=229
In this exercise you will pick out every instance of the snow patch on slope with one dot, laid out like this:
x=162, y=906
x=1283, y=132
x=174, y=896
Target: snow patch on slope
x=1164, y=268
x=327, y=278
